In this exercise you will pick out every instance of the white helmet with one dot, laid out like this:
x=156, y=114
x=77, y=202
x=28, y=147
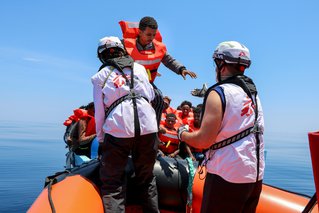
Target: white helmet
x=109, y=42
x=232, y=52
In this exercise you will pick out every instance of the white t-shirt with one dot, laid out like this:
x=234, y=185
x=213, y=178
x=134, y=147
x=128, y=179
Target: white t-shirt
x=108, y=86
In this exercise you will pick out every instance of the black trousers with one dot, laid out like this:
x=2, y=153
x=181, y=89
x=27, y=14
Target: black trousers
x=115, y=152
x=221, y=196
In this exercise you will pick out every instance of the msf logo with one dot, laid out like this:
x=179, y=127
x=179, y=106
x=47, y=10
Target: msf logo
x=119, y=80
x=248, y=108
x=242, y=54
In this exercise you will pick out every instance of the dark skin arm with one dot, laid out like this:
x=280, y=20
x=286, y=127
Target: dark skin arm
x=188, y=72
x=82, y=131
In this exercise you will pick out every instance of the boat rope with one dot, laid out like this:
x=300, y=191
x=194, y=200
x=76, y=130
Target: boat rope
x=190, y=181
x=52, y=181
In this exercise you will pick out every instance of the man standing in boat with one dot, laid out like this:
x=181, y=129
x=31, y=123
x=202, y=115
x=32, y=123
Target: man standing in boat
x=125, y=124
x=232, y=131
x=144, y=43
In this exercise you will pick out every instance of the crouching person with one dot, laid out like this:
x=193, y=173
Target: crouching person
x=125, y=124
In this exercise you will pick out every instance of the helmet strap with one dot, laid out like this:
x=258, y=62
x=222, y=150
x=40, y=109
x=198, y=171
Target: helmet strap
x=219, y=64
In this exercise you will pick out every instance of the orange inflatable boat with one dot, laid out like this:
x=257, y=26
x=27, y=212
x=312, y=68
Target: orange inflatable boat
x=77, y=190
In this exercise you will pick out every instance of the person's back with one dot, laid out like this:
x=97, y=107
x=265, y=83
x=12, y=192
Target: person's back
x=124, y=112
x=126, y=125
x=232, y=131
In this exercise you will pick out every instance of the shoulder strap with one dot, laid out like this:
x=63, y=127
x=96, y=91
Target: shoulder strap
x=250, y=89
x=120, y=63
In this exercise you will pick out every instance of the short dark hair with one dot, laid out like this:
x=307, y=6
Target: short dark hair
x=186, y=103
x=147, y=21
x=171, y=115
x=197, y=110
x=90, y=106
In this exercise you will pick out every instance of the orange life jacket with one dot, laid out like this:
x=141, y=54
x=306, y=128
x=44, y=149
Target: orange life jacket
x=170, y=141
x=169, y=110
x=151, y=60
x=186, y=120
x=82, y=114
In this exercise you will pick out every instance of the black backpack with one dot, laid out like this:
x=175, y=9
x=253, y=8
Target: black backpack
x=71, y=134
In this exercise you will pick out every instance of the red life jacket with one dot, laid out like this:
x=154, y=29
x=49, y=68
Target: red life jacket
x=90, y=128
x=186, y=120
x=82, y=114
x=169, y=110
x=151, y=60
x=170, y=141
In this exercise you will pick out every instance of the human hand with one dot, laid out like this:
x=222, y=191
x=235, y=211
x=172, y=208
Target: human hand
x=188, y=72
x=162, y=130
x=199, y=92
x=181, y=130
x=193, y=158
x=172, y=155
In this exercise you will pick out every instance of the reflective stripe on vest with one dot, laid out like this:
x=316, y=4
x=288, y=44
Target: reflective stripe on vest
x=171, y=142
x=150, y=61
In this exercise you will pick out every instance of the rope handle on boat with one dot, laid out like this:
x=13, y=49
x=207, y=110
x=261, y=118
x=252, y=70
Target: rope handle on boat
x=52, y=181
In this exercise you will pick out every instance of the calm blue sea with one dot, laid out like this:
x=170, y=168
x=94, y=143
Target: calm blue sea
x=31, y=151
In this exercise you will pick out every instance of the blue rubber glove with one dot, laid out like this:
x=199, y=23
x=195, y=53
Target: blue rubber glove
x=181, y=130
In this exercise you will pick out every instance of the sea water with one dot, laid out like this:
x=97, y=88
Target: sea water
x=31, y=151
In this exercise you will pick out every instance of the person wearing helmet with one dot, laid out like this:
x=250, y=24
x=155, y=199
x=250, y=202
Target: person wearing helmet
x=125, y=125
x=232, y=130
x=144, y=43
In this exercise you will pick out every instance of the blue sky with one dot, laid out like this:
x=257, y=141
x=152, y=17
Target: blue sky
x=48, y=53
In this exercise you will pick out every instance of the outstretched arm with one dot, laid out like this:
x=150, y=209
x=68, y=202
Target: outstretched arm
x=188, y=72
x=174, y=65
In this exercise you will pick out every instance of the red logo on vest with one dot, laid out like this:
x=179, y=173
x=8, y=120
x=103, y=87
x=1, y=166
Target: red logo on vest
x=119, y=80
x=248, y=108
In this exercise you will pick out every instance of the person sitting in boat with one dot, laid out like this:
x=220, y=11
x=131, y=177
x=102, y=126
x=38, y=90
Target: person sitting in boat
x=126, y=125
x=167, y=108
x=185, y=115
x=86, y=132
x=169, y=142
x=232, y=130
x=82, y=130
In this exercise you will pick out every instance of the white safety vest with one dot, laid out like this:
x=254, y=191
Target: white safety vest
x=237, y=162
x=108, y=86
